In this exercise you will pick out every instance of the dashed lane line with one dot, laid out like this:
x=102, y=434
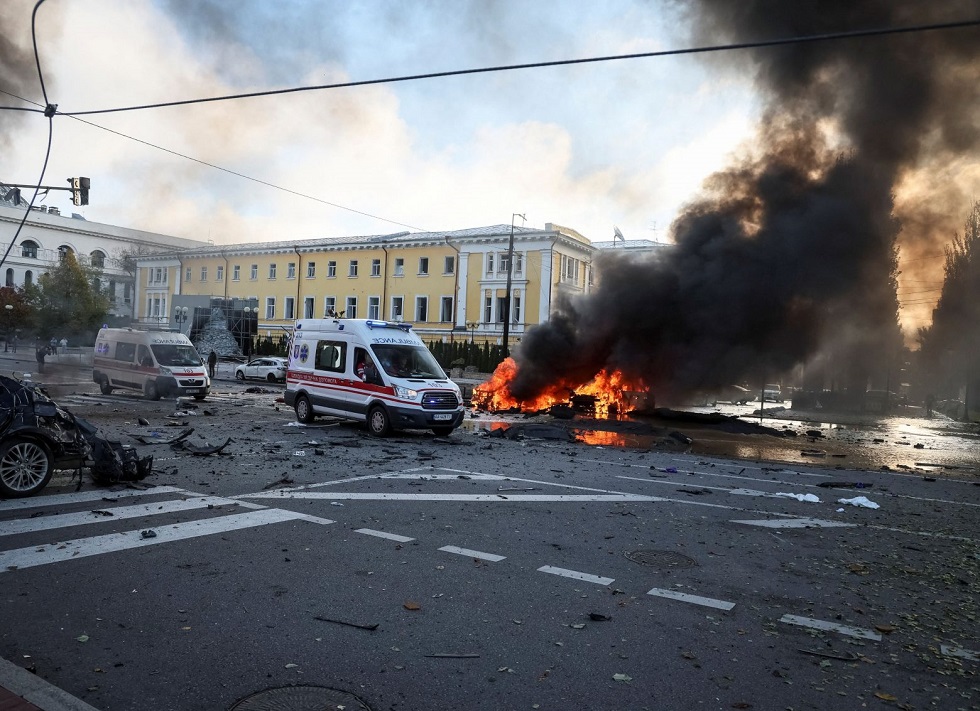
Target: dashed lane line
x=492, y=557
x=847, y=630
x=383, y=534
x=47, y=523
x=797, y=523
x=692, y=599
x=576, y=575
x=82, y=547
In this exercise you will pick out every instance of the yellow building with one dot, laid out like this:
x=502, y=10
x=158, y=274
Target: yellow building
x=449, y=285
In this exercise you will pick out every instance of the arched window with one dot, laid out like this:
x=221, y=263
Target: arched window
x=28, y=248
x=28, y=277
x=10, y=277
x=63, y=251
x=97, y=258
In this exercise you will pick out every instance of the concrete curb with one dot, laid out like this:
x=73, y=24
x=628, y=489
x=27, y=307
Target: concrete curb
x=37, y=691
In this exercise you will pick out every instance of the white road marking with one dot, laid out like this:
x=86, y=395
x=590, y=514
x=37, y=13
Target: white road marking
x=97, y=545
x=383, y=534
x=830, y=627
x=445, y=477
x=492, y=557
x=951, y=651
x=352, y=496
x=29, y=525
x=37, y=502
x=798, y=523
x=575, y=575
x=693, y=599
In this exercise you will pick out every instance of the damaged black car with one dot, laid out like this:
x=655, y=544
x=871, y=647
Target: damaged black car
x=36, y=437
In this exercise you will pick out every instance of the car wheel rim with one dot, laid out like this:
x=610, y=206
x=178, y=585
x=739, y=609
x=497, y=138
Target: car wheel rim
x=24, y=466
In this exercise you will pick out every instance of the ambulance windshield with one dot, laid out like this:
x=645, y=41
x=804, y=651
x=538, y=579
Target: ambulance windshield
x=171, y=355
x=408, y=361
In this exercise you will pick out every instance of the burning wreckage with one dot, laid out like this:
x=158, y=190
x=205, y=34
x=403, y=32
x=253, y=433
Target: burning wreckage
x=37, y=437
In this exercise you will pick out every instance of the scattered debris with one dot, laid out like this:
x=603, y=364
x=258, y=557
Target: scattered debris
x=157, y=438
x=811, y=498
x=861, y=501
x=205, y=450
x=148, y=533
x=348, y=624
x=844, y=485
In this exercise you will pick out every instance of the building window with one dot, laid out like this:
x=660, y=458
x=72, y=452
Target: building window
x=308, y=307
x=254, y=273
x=518, y=263
x=97, y=259
x=397, y=308
x=501, y=309
x=446, y=309
x=399, y=266
x=219, y=273
x=490, y=263
x=204, y=273
x=331, y=269
x=291, y=270
x=63, y=251
x=272, y=270
x=421, y=308
x=488, y=310
x=270, y=308
x=288, y=308
x=236, y=272
x=515, y=307
x=187, y=274
x=310, y=270
x=126, y=296
x=352, y=269
x=374, y=307
x=569, y=269
x=375, y=268
x=449, y=266
x=10, y=277
x=423, y=265
x=329, y=306
x=351, y=310
x=28, y=277
x=28, y=249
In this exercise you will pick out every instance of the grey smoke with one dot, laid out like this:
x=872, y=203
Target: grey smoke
x=788, y=258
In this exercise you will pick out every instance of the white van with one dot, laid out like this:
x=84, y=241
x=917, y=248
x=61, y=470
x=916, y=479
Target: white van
x=157, y=363
x=371, y=371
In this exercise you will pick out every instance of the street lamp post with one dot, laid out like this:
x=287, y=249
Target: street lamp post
x=6, y=339
x=510, y=270
x=180, y=316
x=472, y=326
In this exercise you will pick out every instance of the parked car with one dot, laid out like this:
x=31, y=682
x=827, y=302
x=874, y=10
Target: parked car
x=266, y=368
x=36, y=437
x=772, y=393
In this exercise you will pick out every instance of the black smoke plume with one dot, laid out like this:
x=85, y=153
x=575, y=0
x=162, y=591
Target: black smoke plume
x=788, y=258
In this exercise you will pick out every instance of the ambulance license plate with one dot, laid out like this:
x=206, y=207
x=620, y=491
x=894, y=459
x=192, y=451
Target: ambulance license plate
x=194, y=391
x=442, y=417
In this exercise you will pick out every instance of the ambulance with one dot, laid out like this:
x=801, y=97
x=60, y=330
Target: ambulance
x=156, y=363
x=376, y=372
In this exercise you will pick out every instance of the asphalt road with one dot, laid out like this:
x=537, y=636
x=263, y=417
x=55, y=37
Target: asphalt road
x=499, y=574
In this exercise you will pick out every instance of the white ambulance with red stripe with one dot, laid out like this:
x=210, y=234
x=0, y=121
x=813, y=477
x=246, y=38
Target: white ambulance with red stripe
x=376, y=372
x=156, y=363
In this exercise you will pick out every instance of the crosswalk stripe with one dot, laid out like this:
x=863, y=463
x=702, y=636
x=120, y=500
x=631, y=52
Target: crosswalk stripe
x=82, y=547
x=351, y=496
x=118, y=513
x=36, y=502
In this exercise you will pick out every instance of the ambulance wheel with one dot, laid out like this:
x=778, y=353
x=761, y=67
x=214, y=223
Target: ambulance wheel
x=378, y=422
x=442, y=431
x=104, y=386
x=150, y=391
x=304, y=410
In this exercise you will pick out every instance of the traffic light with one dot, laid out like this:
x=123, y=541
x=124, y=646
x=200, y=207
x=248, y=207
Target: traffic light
x=79, y=190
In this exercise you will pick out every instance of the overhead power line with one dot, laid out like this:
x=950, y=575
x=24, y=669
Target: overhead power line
x=557, y=63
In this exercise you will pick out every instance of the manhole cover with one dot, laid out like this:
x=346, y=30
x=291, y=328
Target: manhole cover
x=300, y=698
x=665, y=560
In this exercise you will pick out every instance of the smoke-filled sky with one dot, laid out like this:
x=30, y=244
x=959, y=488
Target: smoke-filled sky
x=590, y=146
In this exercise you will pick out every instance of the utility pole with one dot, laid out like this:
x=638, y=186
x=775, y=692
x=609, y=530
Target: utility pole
x=510, y=270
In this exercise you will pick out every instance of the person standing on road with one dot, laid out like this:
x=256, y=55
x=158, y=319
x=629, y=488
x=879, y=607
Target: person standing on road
x=64, y=345
x=39, y=354
x=212, y=363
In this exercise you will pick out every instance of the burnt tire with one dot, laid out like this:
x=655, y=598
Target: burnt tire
x=304, y=409
x=150, y=390
x=378, y=421
x=26, y=467
x=104, y=386
x=240, y=375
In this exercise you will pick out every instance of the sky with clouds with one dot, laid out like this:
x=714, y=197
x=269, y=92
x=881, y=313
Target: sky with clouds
x=590, y=146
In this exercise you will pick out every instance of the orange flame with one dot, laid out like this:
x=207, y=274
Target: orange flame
x=606, y=393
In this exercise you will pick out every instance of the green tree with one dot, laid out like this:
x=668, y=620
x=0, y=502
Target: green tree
x=18, y=316
x=65, y=300
x=950, y=347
